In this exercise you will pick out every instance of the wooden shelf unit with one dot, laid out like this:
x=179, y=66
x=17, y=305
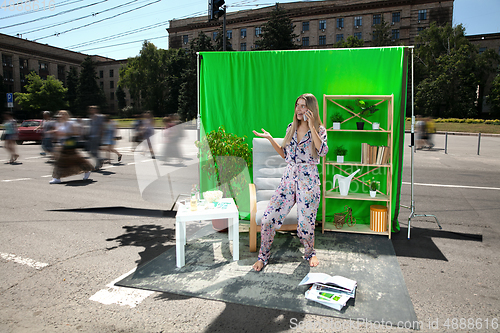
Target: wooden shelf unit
x=333, y=194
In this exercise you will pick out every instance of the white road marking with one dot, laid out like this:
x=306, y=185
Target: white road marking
x=455, y=186
x=121, y=295
x=15, y=180
x=23, y=261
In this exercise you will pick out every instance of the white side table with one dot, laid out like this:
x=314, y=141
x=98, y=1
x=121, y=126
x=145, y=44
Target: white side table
x=184, y=215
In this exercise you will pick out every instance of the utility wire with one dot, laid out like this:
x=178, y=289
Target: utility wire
x=53, y=15
x=78, y=18
x=86, y=25
x=64, y=3
x=125, y=43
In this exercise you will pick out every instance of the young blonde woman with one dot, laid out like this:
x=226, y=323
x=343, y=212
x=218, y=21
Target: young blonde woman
x=305, y=141
x=69, y=161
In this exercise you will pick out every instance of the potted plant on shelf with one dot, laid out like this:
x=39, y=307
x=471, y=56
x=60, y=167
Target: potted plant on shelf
x=336, y=119
x=373, y=184
x=340, y=151
x=223, y=158
x=366, y=111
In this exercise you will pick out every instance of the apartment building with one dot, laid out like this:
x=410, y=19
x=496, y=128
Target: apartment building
x=320, y=24
x=20, y=57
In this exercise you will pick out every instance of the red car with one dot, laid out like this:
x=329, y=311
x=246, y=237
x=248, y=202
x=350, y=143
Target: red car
x=28, y=131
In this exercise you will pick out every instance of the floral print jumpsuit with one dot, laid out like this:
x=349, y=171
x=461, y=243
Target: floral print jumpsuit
x=299, y=184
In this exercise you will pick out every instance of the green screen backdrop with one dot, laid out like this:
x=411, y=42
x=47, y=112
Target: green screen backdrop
x=243, y=91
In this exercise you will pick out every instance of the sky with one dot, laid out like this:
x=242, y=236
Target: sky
x=117, y=28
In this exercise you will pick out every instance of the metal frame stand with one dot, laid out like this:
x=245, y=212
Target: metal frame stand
x=412, y=146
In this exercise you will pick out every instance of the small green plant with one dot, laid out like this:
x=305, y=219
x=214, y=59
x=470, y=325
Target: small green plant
x=337, y=118
x=374, y=184
x=340, y=150
x=365, y=109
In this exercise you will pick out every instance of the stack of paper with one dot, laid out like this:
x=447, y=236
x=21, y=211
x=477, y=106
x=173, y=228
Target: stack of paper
x=332, y=291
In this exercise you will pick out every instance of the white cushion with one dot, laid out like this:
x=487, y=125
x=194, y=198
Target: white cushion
x=268, y=168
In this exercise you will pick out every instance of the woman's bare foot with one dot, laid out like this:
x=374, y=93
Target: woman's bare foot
x=258, y=265
x=313, y=262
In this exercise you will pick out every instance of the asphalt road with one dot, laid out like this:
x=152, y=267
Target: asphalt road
x=62, y=246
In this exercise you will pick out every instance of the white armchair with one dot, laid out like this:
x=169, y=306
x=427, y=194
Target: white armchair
x=268, y=167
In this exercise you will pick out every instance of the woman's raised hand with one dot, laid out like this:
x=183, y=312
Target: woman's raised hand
x=264, y=134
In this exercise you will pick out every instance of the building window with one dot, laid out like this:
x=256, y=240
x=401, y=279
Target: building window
x=358, y=21
x=482, y=49
x=243, y=46
x=422, y=14
x=305, y=26
x=322, y=40
x=101, y=74
x=419, y=29
x=101, y=85
x=214, y=35
x=374, y=35
x=395, y=34
x=111, y=73
x=339, y=37
x=258, y=31
x=229, y=34
x=322, y=24
x=305, y=41
x=358, y=35
x=43, y=66
x=185, y=39
x=111, y=84
x=243, y=33
x=377, y=19
x=7, y=60
x=112, y=95
x=23, y=63
x=396, y=17
x=340, y=23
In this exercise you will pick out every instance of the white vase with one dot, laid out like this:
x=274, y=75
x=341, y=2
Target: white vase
x=340, y=159
x=375, y=126
x=373, y=193
x=336, y=126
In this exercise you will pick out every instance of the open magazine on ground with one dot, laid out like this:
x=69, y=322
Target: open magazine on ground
x=332, y=291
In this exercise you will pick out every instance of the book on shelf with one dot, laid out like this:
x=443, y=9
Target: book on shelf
x=374, y=154
x=332, y=291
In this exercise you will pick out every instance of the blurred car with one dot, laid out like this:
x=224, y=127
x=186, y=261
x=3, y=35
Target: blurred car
x=28, y=131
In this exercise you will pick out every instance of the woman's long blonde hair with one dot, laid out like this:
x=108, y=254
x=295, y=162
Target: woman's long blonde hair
x=312, y=104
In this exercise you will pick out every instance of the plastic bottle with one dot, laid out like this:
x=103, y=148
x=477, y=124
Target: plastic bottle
x=194, y=201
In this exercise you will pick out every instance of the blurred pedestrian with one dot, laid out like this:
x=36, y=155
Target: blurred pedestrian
x=108, y=138
x=421, y=132
x=148, y=130
x=10, y=136
x=69, y=161
x=47, y=128
x=430, y=128
x=172, y=134
x=138, y=131
x=95, y=134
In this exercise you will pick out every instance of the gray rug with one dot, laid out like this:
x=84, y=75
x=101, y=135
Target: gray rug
x=210, y=273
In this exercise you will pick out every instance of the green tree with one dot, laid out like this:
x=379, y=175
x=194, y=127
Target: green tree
x=494, y=98
x=150, y=78
x=450, y=72
x=120, y=96
x=48, y=94
x=382, y=35
x=277, y=32
x=72, y=94
x=188, y=87
x=219, y=42
x=89, y=93
x=351, y=42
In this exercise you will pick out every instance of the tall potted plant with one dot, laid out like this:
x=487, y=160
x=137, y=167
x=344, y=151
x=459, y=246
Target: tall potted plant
x=224, y=157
